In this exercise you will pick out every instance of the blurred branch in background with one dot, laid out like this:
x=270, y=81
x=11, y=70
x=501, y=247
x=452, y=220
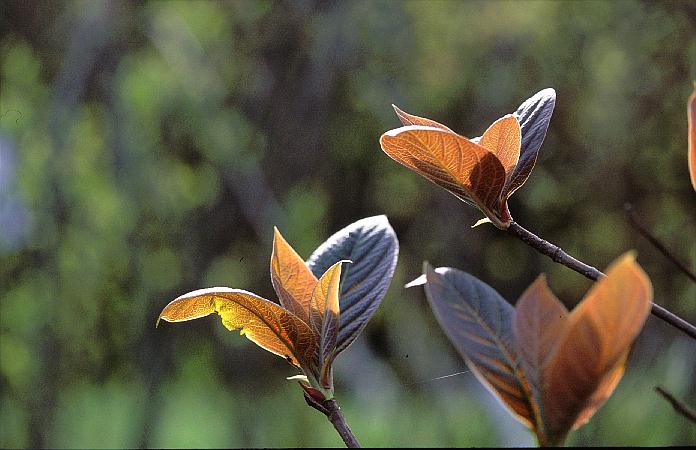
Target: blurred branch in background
x=636, y=223
x=678, y=406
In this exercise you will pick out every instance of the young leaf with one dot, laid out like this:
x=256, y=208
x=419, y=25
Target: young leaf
x=502, y=139
x=409, y=119
x=691, y=119
x=539, y=319
x=291, y=278
x=324, y=318
x=478, y=321
x=268, y=325
x=534, y=115
x=468, y=170
x=589, y=359
x=372, y=246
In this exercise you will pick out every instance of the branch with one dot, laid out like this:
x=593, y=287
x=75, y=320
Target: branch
x=656, y=242
x=333, y=412
x=678, y=406
x=558, y=255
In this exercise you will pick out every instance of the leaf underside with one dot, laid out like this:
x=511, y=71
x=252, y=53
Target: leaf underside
x=268, y=325
x=372, y=247
x=478, y=322
x=534, y=115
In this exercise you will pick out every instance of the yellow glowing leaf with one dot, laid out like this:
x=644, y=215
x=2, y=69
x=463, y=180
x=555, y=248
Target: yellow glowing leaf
x=265, y=323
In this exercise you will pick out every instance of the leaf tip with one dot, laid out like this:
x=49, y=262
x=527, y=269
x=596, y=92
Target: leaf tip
x=481, y=222
x=548, y=92
x=419, y=281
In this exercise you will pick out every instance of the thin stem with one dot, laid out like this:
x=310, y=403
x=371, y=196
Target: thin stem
x=558, y=255
x=633, y=218
x=333, y=412
x=678, y=406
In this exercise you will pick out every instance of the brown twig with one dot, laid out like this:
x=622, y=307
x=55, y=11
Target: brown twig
x=333, y=412
x=633, y=218
x=678, y=406
x=558, y=255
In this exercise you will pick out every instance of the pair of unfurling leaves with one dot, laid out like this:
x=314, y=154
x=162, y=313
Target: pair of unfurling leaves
x=551, y=368
x=320, y=312
x=483, y=171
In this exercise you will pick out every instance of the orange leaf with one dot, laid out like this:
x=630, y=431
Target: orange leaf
x=602, y=393
x=464, y=168
x=589, y=359
x=291, y=278
x=265, y=323
x=503, y=138
x=540, y=318
x=691, y=118
x=324, y=317
x=409, y=119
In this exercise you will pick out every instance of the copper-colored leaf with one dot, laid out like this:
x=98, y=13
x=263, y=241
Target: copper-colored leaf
x=478, y=322
x=466, y=169
x=586, y=364
x=265, y=323
x=409, y=119
x=691, y=119
x=291, y=278
x=602, y=393
x=540, y=319
x=503, y=139
x=324, y=318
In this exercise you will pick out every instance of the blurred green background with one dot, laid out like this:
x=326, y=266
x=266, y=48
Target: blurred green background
x=148, y=148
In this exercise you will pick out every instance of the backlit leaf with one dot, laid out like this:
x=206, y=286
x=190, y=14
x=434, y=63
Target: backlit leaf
x=291, y=278
x=478, y=322
x=502, y=139
x=691, y=119
x=409, y=119
x=466, y=169
x=265, y=323
x=372, y=246
x=534, y=115
x=324, y=318
x=540, y=318
x=589, y=359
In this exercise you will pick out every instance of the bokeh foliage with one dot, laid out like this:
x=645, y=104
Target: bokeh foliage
x=147, y=149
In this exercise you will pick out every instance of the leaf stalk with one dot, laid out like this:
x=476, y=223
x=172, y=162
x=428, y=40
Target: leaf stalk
x=333, y=412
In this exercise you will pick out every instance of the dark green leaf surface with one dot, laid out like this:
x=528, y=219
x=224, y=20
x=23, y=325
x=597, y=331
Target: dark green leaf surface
x=372, y=246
